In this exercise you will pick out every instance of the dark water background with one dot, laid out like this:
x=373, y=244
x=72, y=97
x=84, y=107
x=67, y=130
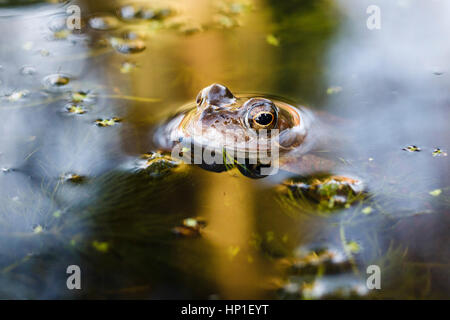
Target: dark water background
x=390, y=87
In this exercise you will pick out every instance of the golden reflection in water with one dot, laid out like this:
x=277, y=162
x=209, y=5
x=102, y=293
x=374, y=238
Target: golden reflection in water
x=195, y=61
x=228, y=207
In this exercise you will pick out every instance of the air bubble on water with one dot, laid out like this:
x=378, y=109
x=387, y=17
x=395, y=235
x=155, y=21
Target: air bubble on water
x=27, y=70
x=58, y=28
x=103, y=22
x=142, y=12
x=57, y=82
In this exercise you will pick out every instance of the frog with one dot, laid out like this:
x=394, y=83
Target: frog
x=235, y=129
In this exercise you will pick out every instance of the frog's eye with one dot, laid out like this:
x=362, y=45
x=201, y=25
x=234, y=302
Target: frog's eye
x=261, y=114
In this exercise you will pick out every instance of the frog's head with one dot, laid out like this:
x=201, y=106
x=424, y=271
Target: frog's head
x=221, y=117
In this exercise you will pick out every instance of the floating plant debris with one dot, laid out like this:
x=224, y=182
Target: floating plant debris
x=73, y=177
x=439, y=153
x=191, y=227
x=38, y=229
x=330, y=190
x=100, y=246
x=85, y=97
x=142, y=12
x=107, y=122
x=435, y=193
x=76, y=109
x=333, y=90
x=17, y=95
x=309, y=261
x=157, y=164
x=272, y=40
x=56, y=82
x=127, y=67
x=126, y=46
x=412, y=148
x=103, y=22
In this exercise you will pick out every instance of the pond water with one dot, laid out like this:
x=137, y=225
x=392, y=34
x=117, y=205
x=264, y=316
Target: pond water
x=78, y=184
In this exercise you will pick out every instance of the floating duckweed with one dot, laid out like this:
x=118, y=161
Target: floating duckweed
x=27, y=70
x=28, y=45
x=56, y=82
x=333, y=90
x=272, y=40
x=353, y=247
x=142, y=12
x=367, y=210
x=225, y=21
x=58, y=28
x=38, y=229
x=44, y=52
x=76, y=109
x=100, y=246
x=157, y=164
x=194, y=222
x=85, y=97
x=127, y=67
x=435, y=193
x=191, y=227
x=73, y=177
x=328, y=191
x=126, y=46
x=103, y=22
x=308, y=261
x=107, y=122
x=439, y=153
x=412, y=148
x=17, y=95
x=233, y=251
